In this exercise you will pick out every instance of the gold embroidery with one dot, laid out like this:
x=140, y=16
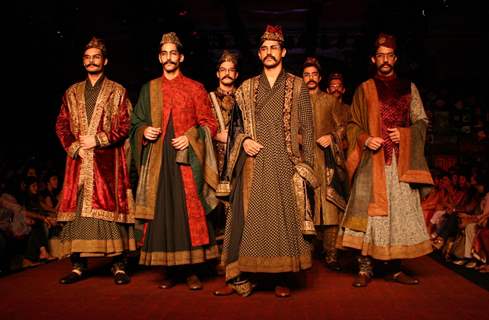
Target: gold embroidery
x=388, y=252
x=90, y=248
x=73, y=149
x=149, y=178
x=104, y=140
x=287, y=117
x=193, y=256
x=274, y=264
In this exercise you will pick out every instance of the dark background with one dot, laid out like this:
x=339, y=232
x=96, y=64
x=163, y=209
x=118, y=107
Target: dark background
x=441, y=44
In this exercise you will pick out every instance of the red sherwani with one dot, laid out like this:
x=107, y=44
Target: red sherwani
x=102, y=175
x=170, y=195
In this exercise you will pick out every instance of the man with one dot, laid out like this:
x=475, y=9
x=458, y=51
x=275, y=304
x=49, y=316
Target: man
x=329, y=164
x=336, y=87
x=386, y=137
x=171, y=137
x=269, y=198
x=222, y=102
x=96, y=201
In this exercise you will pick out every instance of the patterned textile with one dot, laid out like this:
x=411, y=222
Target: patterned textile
x=394, y=98
x=272, y=240
x=103, y=171
x=186, y=103
x=95, y=237
x=328, y=120
x=91, y=95
x=395, y=228
x=402, y=233
x=167, y=238
x=226, y=103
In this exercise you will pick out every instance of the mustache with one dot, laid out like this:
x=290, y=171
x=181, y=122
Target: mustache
x=311, y=81
x=269, y=56
x=169, y=62
x=92, y=65
x=386, y=64
x=227, y=77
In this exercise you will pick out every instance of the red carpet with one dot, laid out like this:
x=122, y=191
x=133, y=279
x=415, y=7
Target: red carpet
x=442, y=294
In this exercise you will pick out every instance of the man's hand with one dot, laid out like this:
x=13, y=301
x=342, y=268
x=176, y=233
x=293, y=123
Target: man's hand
x=251, y=147
x=82, y=153
x=152, y=133
x=374, y=143
x=87, y=142
x=180, y=143
x=222, y=136
x=324, y=141
x=394, y=134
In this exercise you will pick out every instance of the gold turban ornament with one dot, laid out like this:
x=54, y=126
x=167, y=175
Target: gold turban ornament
x=273, y=33
x=386, y=40
x=170, y=37
x=97, y=43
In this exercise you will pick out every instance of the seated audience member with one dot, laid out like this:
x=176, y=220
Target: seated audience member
x=430, y=201
x=475, y=236
x=448, y=199
x=37, y=242
x=49, y=196
x=448, y=228
x=16, y=225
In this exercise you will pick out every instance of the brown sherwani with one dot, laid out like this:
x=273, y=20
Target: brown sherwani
x=329, y=165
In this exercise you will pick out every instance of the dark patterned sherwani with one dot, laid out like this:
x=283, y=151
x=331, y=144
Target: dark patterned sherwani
x=264, y=234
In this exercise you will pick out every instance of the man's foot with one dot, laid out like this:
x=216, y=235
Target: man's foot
x=484, y=268
x=194, y=283
x=471, y=264
x=333, y=265
x=459, y=262
x=282, y=291
x=26, y=263
x=438, y=243
x=121, y=277
x=44, y=255
x=402, y=278
x=361, y=280
x=72, y=277
x=167, y=283
x=224, y=291
x=243, y=287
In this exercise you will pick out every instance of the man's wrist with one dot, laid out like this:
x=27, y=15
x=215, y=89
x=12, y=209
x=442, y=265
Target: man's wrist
x=367, y=141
